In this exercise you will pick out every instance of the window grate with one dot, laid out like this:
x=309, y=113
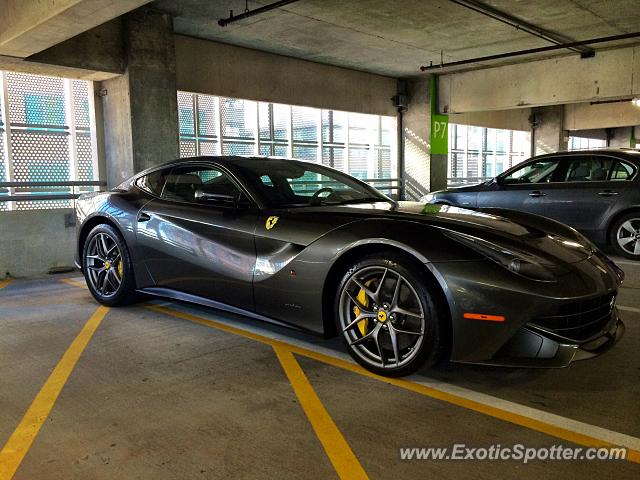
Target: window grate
x=360, y=144
x=239, y=119
x=207, y=116
x=304, y=122
x=478, y=152
x=85, y=158
x=40, y=156
x=36, y=100
x=187, y=148
x=81, y=104
x=50, y=135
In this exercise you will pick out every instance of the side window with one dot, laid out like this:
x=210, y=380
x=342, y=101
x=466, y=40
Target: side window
x=153, y=183
x=621, y=171
x=536, y=172
x=183, y=183
x=588, y=168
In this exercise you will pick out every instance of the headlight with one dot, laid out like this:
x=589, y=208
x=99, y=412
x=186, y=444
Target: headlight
x=516, y=262
x=428, y=198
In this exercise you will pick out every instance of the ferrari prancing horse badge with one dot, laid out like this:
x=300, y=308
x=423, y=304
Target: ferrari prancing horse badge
x=271, y=222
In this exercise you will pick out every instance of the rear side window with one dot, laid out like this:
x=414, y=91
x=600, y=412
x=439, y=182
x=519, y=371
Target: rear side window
x=184, y=182
x=588, y=168
x=153, y=183
x=621, y=171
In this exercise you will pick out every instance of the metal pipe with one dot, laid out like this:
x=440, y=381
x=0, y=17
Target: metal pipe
x=529, y=51
x=223, y=22
x=33, y=198
x=515, y=22
x=400, y=150
x=53, y=184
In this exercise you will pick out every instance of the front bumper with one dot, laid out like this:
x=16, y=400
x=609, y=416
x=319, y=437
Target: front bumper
x=545, y=324
x=533, y=347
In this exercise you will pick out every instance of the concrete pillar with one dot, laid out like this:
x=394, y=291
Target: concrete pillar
x=423, y=171
x=548, y=133
x=621, y=137
x=140, y=107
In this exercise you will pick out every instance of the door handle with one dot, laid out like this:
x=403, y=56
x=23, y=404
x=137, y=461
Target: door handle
x=537, y=194
x=144, y=217
x=607, y=193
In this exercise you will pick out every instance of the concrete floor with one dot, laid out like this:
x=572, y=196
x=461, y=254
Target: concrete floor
x=156, y=396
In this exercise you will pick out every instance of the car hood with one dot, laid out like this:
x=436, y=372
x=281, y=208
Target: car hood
x=548, y=240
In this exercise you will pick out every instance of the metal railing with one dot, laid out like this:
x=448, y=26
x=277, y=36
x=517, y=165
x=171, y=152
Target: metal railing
x=34, y=191
x=459, y=181
x=387, y=183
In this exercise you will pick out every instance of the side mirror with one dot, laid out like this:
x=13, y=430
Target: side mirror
x=217, y=198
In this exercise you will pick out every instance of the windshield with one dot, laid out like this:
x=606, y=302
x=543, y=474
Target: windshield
x=287, y=183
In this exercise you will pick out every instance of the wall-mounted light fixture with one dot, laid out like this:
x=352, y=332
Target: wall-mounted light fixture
x=636, y=101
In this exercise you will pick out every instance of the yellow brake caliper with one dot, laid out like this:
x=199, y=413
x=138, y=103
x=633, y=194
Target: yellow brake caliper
x=120, y=269
x=362, y=298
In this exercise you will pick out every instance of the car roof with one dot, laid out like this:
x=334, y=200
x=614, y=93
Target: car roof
x=634, y=152
x=230, y=160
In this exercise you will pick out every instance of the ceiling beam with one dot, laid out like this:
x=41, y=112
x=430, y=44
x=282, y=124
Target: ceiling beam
x=28, y=27
x=530, y=51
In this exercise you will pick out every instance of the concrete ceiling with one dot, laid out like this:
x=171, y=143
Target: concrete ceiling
x=395, y=37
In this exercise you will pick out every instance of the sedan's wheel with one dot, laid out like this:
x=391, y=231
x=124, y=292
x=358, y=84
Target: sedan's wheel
x=387, y=317
x=626, y=236
x=107, y=266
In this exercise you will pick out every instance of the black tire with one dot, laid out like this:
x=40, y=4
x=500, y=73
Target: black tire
x=625, y=235
x=125, y=292
x=430, y=348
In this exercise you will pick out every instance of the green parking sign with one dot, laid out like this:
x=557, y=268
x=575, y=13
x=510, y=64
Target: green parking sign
x=439, y=134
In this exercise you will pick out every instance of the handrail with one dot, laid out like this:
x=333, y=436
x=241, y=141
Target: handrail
x=453, y=181
x=53, y=184
x=7, y=196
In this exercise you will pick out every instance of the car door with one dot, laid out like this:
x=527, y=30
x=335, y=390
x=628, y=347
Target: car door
x=524, y=188
x=198, y=237
x=586, y=195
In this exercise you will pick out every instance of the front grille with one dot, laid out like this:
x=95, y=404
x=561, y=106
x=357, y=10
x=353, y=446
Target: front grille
x=579, y=321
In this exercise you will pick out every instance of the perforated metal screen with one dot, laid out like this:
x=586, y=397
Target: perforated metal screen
x=49, y=137
x=35, y=100
x=3, y=174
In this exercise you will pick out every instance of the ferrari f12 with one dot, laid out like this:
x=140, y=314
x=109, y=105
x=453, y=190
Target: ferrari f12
x=403, y=283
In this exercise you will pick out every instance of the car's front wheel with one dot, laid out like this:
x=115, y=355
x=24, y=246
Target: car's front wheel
x=107, y=267
x=387, y=316
x=625, y=236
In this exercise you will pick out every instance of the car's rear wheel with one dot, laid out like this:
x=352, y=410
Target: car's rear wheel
x=107, y=267
x=387, y=316
x=625, y=236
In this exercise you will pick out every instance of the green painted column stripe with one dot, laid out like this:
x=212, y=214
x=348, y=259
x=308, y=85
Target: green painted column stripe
x=439, y=138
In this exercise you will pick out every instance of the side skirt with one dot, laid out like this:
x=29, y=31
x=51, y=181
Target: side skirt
x=206, y=302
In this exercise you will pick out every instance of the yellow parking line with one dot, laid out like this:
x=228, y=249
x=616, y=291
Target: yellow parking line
x=5, y=282
x=521, y=420
x=18, y=445
x=338, y=450
x=74, y=283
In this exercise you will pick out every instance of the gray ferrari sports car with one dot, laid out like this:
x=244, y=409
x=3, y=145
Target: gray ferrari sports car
x=404, y=284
